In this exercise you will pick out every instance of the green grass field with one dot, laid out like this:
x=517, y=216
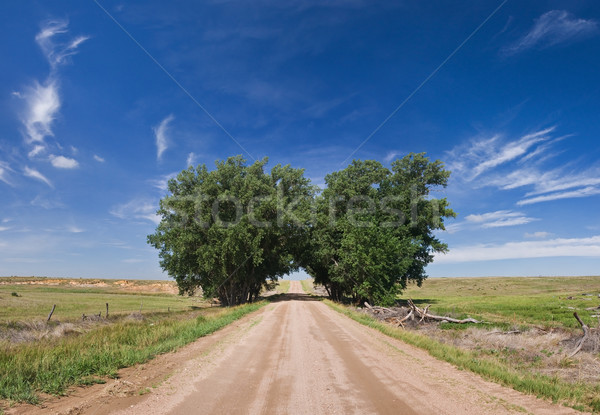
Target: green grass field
x=34, y=301
x=515, y=300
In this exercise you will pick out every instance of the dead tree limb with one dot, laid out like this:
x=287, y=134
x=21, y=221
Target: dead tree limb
x=586, y=331
x=503, y=332
x=402, y=320
x=424, y=314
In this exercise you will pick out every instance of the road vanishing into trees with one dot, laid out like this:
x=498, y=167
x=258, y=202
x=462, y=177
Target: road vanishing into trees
x=297, y=356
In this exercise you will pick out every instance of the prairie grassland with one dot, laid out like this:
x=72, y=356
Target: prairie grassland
x=546, y=301
x=528, y=336
x=29, y=299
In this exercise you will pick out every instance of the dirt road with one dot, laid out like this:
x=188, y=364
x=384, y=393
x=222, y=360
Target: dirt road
x=297, y=356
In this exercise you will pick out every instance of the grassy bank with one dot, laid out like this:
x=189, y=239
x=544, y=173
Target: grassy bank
x=51, y=367
x=578, y=395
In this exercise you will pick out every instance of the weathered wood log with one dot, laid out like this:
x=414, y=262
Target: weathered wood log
x=425, y=314
x=503, y=332
x=402, y=320
x=586, y=331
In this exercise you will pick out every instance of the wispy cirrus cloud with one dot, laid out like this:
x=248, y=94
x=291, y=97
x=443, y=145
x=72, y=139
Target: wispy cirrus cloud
x=5, y=169
x=191, y=159
x=160, y=135
x=584, y=192
x=57, y=50
x=538, y=235
x=484, y=154
x=42, y=99
x=520, y=164
x=553, y=28
x=43, y=104
x=99, y=159
x=391, y=155
x=162, y=183
x=558, y=247
x=62, y=162
x=496, y=219
x=137, y=209
x=34, y=174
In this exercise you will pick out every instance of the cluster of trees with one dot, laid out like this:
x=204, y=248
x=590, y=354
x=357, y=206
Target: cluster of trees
x=232, y=230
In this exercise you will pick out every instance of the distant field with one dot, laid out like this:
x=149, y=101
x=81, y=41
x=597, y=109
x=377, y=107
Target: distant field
x=516, y=300
x=33, y=298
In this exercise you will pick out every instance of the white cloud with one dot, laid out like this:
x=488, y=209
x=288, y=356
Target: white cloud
x=137, y=209
x=553, y=28
x=497, y=163
x=34, y=174
x=37, y=149
x=43, y=104
x=4, y=170
x=99, y=159
x=56, y=51
x=74, y=229
x=160, y=132
x=191, y=160
x=499, y=218
x=559, y=247
x=47, y=203
x=585, y=192
x=538, y=235
x=42, y=100
x=480, y=155
x=61, y=162
x=162, y=183
x=390, y=156
x=4, y=228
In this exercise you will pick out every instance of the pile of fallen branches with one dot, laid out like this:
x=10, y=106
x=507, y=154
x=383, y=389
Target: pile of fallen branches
x=400, y=316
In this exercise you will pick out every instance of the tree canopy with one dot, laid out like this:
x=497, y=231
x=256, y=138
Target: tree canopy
x=365, y=236
x=232, y=229
x=375, y=228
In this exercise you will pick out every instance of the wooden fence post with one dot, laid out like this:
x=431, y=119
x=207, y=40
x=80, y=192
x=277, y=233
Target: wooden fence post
x=51, y=312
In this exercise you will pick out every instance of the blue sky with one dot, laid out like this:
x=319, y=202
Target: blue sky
x=101, y=102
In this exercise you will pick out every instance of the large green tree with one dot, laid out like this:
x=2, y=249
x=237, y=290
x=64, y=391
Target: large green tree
x=374, y=230
x=232, y=229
